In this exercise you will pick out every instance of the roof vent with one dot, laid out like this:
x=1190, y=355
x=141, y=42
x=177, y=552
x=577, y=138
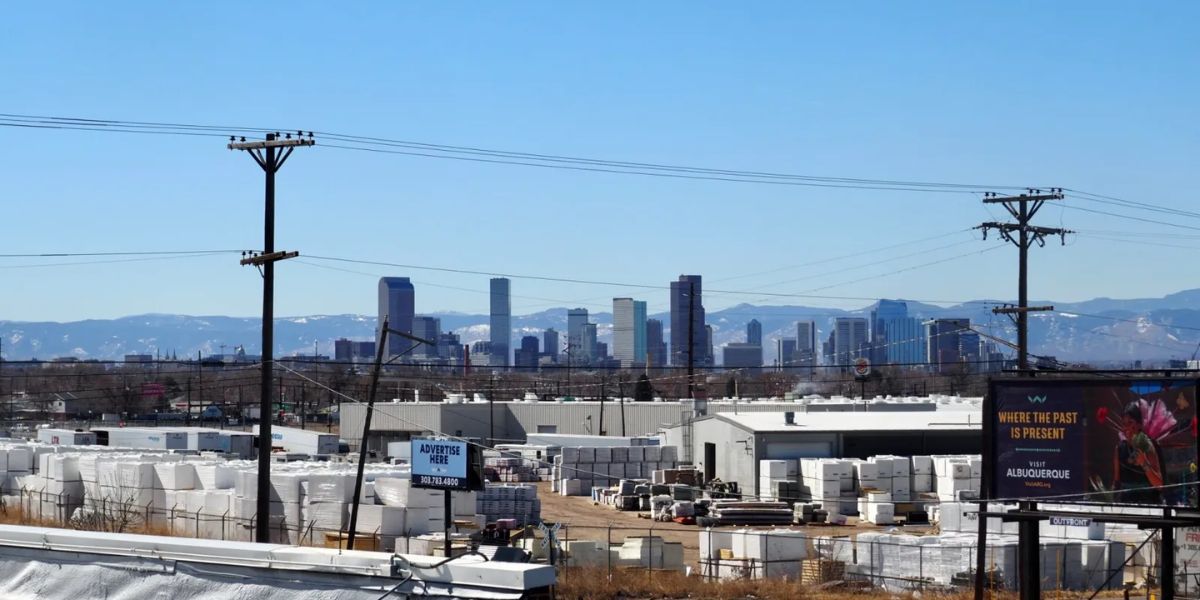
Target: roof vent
x=789, y=418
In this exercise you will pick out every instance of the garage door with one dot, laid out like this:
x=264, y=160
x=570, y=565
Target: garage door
x=781, y=450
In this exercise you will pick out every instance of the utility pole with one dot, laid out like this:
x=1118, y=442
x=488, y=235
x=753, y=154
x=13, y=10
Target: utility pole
x=1023, y=207
x=270, y=154
x=691, y=384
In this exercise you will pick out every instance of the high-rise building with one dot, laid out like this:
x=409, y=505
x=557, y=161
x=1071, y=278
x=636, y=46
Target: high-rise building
x=970, y=351
x=656, y=347
x=397, y=302
x=426, y=328
x=525, y=358
x=849, y=340
x=754, y=332
x=450, y=347
x=588, y=345
x=905, y=341
x=709, y=357
x=629, y=331
x=345, y=350
x=943, y=342
x=747, y=357
x=687, y=308
x=577, y=319
x=806, y=344
x=550, y=344
x=785, y=349
x=501, y=321
x=885, y=311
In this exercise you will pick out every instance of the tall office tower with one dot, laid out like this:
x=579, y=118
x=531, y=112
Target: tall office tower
x=885, y=312
x=943, y=342
x=806, y=344
x=426, y=328
x=550, y=344
x=849, y=339
x=656, y=347
x=525, y=358
x=970, y=351
x=754, y=332
x=397, y=301
x=588, y=345
x=709, y=356
x=687, y=299
x=785, y=349
x=629, y=331
x=501, y=322
x=450, y=346
x=577, y=319
x=906, y=341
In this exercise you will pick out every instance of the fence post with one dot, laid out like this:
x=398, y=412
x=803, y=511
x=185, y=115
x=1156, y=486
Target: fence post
x=650, y=559
x=921, y=568
x=608, y=549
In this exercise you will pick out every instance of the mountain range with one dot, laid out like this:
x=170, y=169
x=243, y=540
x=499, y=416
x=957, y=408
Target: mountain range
x=1100, y=330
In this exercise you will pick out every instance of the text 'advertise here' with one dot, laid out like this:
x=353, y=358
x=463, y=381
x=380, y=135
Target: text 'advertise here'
x=440, y=464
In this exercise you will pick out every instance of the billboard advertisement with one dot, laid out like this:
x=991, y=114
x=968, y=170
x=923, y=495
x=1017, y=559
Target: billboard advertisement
x=442, y=464
x=1117, y=440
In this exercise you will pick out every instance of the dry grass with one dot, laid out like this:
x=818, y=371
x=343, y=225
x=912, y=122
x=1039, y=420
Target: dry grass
x=594, y=584
x=15, y=515
x=638, y=584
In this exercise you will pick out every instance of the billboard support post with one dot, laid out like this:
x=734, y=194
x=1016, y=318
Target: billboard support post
x=1029, y=567
x=449, y=518
x=980, y=552
x=1167, y=578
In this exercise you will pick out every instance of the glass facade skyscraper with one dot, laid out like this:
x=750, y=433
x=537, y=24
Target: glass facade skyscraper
x=629, y=331
x=501, y=322
x=687, y=299
x=397, y=302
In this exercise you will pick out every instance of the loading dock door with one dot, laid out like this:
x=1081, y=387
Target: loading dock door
x=710, y=461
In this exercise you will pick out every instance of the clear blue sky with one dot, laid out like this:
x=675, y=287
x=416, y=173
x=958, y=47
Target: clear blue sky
x=1100, y=96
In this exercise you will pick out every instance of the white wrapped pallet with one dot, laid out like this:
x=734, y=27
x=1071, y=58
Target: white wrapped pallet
x=175, y=475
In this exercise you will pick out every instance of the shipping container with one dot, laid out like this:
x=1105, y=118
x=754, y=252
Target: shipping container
x=66, y=437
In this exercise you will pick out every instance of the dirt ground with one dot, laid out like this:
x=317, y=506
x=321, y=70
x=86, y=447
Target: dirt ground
x=583, y=520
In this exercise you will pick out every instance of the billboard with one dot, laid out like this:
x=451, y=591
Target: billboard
x=1121, y=440
x=444, y=464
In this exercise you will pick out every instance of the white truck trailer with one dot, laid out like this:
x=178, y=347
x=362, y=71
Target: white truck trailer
x=66, y=437
x=302, y=440
x=148, y=438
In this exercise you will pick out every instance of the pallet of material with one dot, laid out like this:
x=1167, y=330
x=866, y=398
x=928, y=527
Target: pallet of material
x=753, y=513
x=816, y=571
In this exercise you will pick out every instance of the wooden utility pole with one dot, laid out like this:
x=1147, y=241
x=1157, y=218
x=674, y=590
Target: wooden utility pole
x=270, y=154
x=1023, y=207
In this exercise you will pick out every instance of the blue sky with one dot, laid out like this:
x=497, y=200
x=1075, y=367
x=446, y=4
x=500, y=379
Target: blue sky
x=1098, y=96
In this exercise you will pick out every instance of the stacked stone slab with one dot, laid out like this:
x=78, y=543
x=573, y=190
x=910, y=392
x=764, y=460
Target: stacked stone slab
x=578, y=469
x=518, y=502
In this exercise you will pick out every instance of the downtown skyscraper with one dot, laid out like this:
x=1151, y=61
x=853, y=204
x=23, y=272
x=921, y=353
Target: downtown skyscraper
x=577, y=321
x=629, y=331
x=397, y=302
x=500, y=331
x=687, y=314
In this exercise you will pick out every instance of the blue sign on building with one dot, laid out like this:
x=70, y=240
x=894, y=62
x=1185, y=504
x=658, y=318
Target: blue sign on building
x=441, y=464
